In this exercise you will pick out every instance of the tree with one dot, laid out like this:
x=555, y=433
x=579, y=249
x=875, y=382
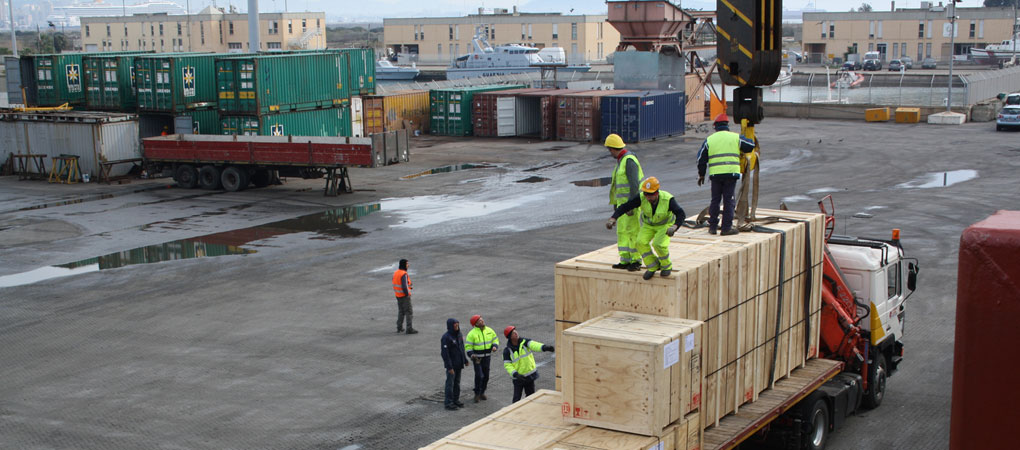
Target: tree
x=999, y=3
x=61, y=42
x=865, y=7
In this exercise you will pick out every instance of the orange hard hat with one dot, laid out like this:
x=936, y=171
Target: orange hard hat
x=474, y=319
x=508, y=330
x=722, y=117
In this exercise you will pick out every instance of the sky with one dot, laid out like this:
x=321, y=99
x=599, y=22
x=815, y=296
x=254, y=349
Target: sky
x=378, y=9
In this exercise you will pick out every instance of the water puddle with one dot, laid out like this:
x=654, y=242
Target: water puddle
x=448, y=169
x=533, y=179
x=328, y=225
x=595, y=182
x=939, y=179
x=423, y=211
x=89, y=198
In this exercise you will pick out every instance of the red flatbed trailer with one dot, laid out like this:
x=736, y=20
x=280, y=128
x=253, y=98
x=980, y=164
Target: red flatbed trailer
x=232, y=162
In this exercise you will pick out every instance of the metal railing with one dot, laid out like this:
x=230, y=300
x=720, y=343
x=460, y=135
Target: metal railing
x=988, y=84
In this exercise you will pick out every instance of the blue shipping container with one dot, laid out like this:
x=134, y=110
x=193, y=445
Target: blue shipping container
x=644, y=115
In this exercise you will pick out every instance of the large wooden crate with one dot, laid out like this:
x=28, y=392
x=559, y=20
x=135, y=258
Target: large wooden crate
x=759, y=294
x=631, y=372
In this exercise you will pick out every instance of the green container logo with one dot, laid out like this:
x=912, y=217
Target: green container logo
x=276, y=130
x=188, y=74
x=73, y=72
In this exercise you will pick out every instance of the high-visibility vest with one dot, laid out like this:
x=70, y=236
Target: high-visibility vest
x=619, y=190
x=521, y=359
x=723, y=153
x=479, y=341
x=662, y=215
x=397, y=287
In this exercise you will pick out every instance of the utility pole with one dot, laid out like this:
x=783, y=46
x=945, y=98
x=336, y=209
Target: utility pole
x=1013, y=37
x=253, y=26
x=952, y=51
x=14, y=34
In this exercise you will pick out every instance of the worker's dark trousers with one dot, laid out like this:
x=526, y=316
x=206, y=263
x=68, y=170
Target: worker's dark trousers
x=526, y=385
x=482, y=375
x=452, y=386
x=404, y=310
x=722, y=191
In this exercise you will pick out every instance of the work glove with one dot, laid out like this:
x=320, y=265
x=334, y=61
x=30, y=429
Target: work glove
x=548, y=348
x=701, y=180
x=671, y=230
x=610, y=223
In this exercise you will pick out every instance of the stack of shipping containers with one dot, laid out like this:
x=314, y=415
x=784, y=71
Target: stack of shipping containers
x=109, y=82
x=644, y=115
x=450, y=108
x=396, y=111
x=59, y=78
x=177, y=84
x=578, y=115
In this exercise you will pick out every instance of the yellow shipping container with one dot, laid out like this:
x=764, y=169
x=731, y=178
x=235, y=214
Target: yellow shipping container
x=908, y=115
x=396, y=111
x=876, y=115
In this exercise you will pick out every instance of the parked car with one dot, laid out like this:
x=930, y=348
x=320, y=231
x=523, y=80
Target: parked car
x=798, y=56
x=852, y=65
x=872, y=64
x=896, y=65
x=1009, y=117
x=907, y=62
x=928, y=63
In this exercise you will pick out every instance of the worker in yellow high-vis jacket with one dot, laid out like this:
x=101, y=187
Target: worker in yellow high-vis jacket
x=624, y=187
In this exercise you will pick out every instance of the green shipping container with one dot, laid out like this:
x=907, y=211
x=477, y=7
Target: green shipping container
x=174, y=83
x=204, y=121
x=361, y=65
x=450, y=109
x=59, y=78
x=110, y=82
x=267, y=84
x=315, y=122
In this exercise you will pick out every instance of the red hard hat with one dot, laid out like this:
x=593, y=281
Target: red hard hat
x=722, y=118
x=474, y=319
x=508, y=330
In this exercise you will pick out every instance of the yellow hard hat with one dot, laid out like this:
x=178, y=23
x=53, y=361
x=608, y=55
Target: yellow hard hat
x=650, y=185
x=614, y=141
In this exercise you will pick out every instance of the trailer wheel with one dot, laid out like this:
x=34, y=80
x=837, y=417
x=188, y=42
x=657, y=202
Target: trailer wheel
x=234, y=178
x=209, y=177
x=877, y=374
x=816, y=422
x=261, y=178
x=187, y=176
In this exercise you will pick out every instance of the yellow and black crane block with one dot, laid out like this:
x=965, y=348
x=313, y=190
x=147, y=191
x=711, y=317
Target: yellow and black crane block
x=749, y=41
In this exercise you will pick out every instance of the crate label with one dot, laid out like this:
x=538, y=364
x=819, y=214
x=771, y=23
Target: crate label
x=565, y=410
x=671, y=354
x=689, y=343
x=580, y=413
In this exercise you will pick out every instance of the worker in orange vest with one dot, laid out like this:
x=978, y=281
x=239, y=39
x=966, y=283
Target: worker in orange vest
x=402, y=289
x=165, y=131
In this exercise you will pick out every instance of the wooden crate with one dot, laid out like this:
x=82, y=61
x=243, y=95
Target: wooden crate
x=528, y=424
x=631, y=372
x=757, y=329
x=594, y=438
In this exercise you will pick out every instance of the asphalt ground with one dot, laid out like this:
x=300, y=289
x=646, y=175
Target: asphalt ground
x=293, y=346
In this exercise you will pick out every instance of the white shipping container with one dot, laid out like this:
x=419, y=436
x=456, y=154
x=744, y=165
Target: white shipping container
x=92, y=136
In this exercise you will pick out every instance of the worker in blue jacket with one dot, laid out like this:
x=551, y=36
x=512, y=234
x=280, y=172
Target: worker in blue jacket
x=454, y=360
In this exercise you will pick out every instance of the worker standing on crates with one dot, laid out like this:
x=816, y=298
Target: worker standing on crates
x=720, y=155
x=624, y=187
x=402, y=289
x=519, y=361
x=481, y=342
x=661, y=216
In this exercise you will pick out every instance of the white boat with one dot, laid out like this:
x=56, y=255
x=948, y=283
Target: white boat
x=385, y=70
x=785, y=76
x=486, y=60
x=995, y=53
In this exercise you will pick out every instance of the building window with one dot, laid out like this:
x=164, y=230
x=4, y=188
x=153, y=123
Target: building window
x=234, y=45
x=304, y=25
x=439, y=51
x=529, y=31
x=423, y=32
x=201, y=27
x=273, y=45
x=317, y=24
x=86, y=31
x=456, y=32
x=573, y=31
x=125, y=31
x=492, y=32
x=920, y=29
x=927, y=50
x=274, y=27
x=879, y=28
x=556, y=31
x=973, y=28
x=179, y=29
x=981, y=29
x=160, y=29
x=573, y=52
x=903, y=49
x=871, y=46
x=524, y=29
x=152, y=30
x=920, y=51
x=871, y=29
x=451, y=32
x=107, y=31
x=895, y=48
x=927, y=31
x=823, y=29
x=598, y=31
x=290, y=27
x=832, y=30
x=230, y=27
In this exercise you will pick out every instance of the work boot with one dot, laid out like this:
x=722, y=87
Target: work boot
x=665, y=273
x=400, y=329
x=621, y=265
x=459, y=404
x=634, y=267
x=729, y=232
x=477, y=398
x=648, y=274
x=483, y=397
x=411, y=331
x=712, y=230
x=451, y=407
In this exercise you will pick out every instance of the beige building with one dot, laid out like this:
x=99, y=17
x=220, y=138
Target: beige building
x=438, y=40
x=918, y=33
x=211, y=30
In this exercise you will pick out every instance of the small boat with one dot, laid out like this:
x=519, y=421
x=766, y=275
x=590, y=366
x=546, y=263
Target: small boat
x=847, y=79
x=785, y=76
x=996, y=53
x=486, y=60
x=385, y=70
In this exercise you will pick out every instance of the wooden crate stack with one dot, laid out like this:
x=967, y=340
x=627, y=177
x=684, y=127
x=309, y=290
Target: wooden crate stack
x=757, y=292
x=536, y=423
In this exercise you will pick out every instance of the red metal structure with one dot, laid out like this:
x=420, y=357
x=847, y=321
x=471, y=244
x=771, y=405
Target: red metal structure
x=648, y=26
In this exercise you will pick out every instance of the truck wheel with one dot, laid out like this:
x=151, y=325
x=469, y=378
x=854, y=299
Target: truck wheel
x=261, y=178
x=209, y=178
x=877, y=374
x=816, y=424
x=187, y=176
x=234, y=178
